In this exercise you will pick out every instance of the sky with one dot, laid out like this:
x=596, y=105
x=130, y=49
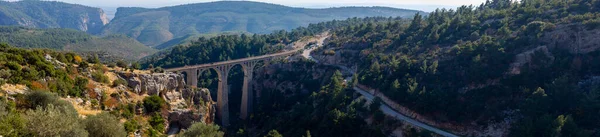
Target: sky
x=426, y=5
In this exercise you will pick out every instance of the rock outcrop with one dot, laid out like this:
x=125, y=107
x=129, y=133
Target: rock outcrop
x=154, y=84
x=576, y=38
x=187, y=105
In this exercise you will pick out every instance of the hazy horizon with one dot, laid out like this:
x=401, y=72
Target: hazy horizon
x=424, y=5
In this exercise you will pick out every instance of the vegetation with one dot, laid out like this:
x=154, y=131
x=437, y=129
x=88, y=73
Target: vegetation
x=154, y=27
x=228, y=47
x=329, y=109
x=54, y=121
x=455, y=65
x=202, y=130
x=153, y=104
x=104, y=125
x=51, y=14
x=116, y=46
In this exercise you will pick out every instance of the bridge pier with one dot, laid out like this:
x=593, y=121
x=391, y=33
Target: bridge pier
x=223, y=94
x=192, y=78
x=247, y=92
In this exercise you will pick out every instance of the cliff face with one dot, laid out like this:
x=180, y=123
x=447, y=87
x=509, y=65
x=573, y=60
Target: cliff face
x=46, y=14
x=187, y=105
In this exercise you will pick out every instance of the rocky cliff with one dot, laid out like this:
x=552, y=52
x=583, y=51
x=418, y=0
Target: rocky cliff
x=186, y=104
x=47, y=14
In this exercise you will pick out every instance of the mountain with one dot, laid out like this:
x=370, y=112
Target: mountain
x=156, y=26
x=47, y=14
x=73, y=40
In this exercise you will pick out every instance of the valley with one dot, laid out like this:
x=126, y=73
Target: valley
x=500, y=68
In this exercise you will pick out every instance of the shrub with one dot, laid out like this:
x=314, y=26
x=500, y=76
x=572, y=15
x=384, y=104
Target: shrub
x=104, y=125
x=100, y=77
x=131, y=126
x=119, y=82
x=56, y=121
x=43, y=99
x=273, y=133
x=153, y=103
x=202, y=130
x=11, y=123
x=121, y=64
x=158, y=70
x=157, y=122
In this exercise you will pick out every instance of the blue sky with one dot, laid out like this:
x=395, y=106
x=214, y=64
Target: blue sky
x=426, y=5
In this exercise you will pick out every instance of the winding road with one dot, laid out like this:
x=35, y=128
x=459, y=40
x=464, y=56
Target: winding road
x=384, y=107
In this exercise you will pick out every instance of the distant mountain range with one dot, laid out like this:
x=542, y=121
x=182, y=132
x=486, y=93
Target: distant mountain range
x=47, y=14
x=156, y=26
x=162, y=28
x=116, y=46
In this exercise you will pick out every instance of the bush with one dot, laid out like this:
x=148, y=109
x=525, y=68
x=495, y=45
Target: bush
x=157, y=122
x=273, y=133
x=158, y=70
x=43, y=99
x=131, y=126
x=54, y=121
x=11, y=123
x=153, y=103
x=122, y=64
x=112, y=65
x=100, y=77
x=119, y=82
x=104, y=125
x=202, y=130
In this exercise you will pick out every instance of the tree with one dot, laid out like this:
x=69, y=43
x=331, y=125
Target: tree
x=11, y=122
x=94, y=59
x=131, y=125
x=121, y=64
x=566, y=127
x=273, y=133
x=157, y=122
x=54, y=121
x=43, y=99
x=307, y=134
x=104, y=125
x=136, y=65
x=336, y=84
x=354, y=81
x=202, y=130
x=153, y=104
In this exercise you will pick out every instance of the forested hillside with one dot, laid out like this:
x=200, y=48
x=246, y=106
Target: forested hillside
x=47, y=14
x=118, y=46
x=533, y=64
x=228, y=47
x=156, y=26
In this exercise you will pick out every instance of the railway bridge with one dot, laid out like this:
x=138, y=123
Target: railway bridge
x=223, y=68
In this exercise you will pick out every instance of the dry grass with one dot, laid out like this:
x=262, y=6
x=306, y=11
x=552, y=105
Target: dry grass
x=82, y=110
x=111, y=76
x=16, y=88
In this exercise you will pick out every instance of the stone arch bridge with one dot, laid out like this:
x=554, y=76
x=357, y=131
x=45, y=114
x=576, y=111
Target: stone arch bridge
x=222, y=69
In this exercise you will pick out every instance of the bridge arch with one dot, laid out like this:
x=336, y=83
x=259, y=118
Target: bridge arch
x=223, y=69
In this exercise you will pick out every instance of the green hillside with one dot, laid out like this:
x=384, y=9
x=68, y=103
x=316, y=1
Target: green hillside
x=73, y=40
x=46, y=14
x=156, y=26
x=532, y=65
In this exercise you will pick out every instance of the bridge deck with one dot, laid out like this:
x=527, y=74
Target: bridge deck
x=236, y=61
